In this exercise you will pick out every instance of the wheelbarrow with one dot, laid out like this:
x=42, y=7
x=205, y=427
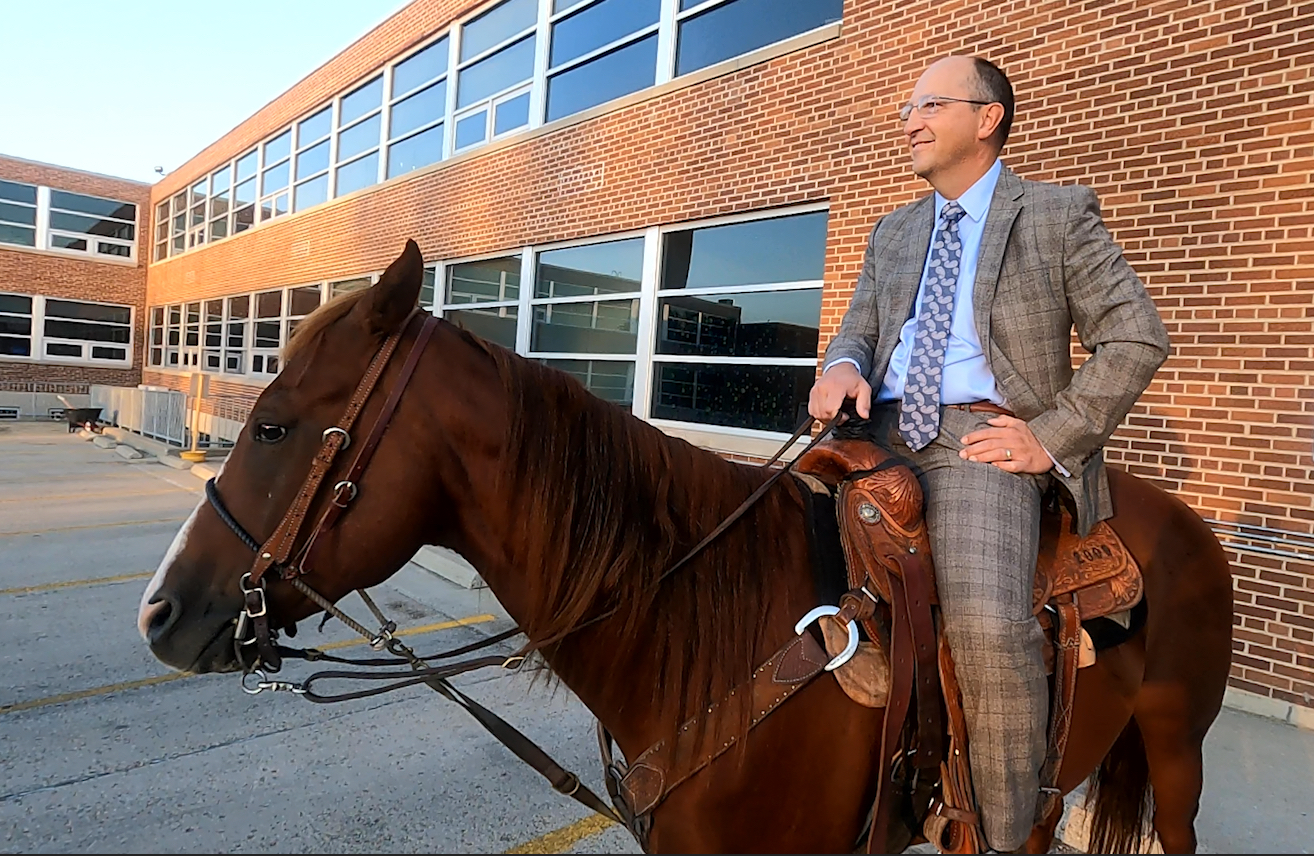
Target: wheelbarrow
x=83, y=417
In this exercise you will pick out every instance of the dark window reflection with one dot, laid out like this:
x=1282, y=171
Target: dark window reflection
x=600, y=24
x=615, y=267
x=608, y=380
x=603, y=78
x=740, y=26
x=761, y=324
x=783, y=249
x=485, y=281
x=764, y=398
x=592, y=327
x=496, y=324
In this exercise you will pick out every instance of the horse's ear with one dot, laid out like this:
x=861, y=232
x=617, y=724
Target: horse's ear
x=391, y=299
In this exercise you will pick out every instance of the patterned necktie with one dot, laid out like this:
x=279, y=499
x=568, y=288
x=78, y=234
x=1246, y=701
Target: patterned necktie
x=919, y=415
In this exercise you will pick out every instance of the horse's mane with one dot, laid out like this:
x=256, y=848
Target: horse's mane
x=629, y=502
x=309, y=328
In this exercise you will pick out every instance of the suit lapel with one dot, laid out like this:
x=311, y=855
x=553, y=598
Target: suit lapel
x=903, y=275
x=1004, y=208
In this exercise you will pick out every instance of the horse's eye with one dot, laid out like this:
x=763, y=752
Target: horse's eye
x=269, y=433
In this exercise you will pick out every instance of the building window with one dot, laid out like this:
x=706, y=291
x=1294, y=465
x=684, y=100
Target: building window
x=484, y=298
x=496, y=68
x=360, y=126
x=162, y=231
x=275, y=176
x=738, y=319
x=346, y=286
x=18, y=210
x=244, y=191
x=600, y=52
x=586, y=314
x=221, y=202
x=418, y=108
x=53, y=329
x=196, y=217
x=92, y=225
x=15, y=325
x=711, y=31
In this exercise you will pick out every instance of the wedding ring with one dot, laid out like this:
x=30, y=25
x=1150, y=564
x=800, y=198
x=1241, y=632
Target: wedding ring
x=1008, y=454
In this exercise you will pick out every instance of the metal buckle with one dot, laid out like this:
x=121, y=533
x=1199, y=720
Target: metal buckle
x=337, y=491
x=346, y=438
x=849, y=649
x=259, y=589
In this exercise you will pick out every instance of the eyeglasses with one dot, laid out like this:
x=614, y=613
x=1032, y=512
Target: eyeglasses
x=928, y=105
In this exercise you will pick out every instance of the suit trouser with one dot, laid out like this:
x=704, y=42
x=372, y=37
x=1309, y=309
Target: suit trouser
x=984, y=526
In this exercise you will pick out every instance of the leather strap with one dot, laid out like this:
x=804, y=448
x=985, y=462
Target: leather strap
x=278, y=547
x=1067, y=639
x=953, y=825
x=704, y=738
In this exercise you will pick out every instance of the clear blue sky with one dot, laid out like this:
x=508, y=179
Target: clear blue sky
x=122, y=86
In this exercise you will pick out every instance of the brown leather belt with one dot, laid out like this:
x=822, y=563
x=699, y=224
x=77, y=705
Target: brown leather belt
x=983, y=407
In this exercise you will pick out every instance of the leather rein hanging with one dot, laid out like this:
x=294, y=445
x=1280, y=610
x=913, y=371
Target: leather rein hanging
x=276, y=553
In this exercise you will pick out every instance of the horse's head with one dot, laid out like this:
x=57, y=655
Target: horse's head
x=188, y=612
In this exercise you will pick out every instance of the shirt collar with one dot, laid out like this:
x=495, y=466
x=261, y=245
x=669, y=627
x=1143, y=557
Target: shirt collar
x=976, y=201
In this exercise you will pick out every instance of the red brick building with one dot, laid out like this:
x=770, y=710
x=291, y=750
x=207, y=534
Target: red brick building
x=669, y=198
x=72, y=284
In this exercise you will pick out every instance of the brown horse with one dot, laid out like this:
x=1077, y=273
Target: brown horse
x=571, y=509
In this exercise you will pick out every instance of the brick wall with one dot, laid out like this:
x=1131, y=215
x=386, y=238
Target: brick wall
x=58, y=275
x=1192, y=120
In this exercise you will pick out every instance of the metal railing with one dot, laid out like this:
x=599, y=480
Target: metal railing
x=163, y=415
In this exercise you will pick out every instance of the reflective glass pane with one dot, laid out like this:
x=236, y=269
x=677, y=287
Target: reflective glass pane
x=276, y=178
x=313, y=160
x=610, y=380
x=278, y=148
x=245, y=193
x=119, y=250
x=266, y=334
x=423, y=107
x=603, y=78
x=311, y=129
x=563, y=5
x=472, y=129
x=87, y=332
x=99, y=352
x=13, y=346
x=496, y=324
x=511, y=114
x=783, y=249
x=741, y=26
x=311, y=193
x=15, y=192
x=420, y=68
x=484, y=281
x=20, y=304
x=764, y=398
x=219, y=205
x=506, y=68
x=615, y=267
x=497, y=25
x=199, y=192
x=219, y=229
x=268, y=304
x=594, y=327
x=598, y=25
x=428, y=289
x=357, y=174
x=20, y=214
x=15, y=326
x=246, y=165
x=361, y=101
x=414, y=152
x=243, y=219
x=93, y=205
x=23, y=236
x=303, y=300
x=88, y=311
x=751, y=324
x=358, y=138
x=64, y=242
x=60, y=349
x=220, y=180
x=92, y=226
x=237, y=306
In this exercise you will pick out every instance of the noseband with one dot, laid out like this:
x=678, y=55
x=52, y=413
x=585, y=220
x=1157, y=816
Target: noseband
x=277, y=551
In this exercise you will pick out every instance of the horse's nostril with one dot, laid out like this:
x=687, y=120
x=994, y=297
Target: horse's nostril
x=161, y=615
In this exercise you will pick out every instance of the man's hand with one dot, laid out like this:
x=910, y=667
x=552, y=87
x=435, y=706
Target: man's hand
x=1009, y=445
x=839, y=382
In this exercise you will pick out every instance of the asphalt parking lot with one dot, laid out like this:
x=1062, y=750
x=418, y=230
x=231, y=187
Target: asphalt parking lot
x=107, y=750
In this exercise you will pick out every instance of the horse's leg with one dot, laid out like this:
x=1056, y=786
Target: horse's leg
x=1042, y=834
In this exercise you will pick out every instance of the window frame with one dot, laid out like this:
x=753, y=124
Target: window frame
x=39, y=339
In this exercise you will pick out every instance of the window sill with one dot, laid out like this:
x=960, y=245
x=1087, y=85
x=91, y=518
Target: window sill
x=39, y=361
x=733, y=441
x=72, y=257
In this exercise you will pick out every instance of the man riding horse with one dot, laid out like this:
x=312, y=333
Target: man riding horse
x=956, y=348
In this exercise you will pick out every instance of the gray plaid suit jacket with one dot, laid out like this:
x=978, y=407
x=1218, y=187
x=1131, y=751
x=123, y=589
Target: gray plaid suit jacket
x=1046, y=263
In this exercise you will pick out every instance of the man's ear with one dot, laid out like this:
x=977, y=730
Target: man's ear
x=390, y=300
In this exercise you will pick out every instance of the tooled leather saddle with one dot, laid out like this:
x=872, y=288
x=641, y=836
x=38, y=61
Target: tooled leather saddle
x=878, y=508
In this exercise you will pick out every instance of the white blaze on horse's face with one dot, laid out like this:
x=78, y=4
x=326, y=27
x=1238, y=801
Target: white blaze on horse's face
x=147, y=609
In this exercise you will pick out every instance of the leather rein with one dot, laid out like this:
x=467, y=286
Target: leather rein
x=256, y=642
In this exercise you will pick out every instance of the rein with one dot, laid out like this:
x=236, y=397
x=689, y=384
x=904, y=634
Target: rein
x=276, y=554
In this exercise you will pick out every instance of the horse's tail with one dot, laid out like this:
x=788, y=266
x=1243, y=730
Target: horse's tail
x=1120, y=794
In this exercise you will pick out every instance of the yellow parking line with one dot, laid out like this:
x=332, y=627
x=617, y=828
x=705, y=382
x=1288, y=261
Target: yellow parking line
x=77, y=583
x=177, y=676
x=91, y=526
x=561, y=840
